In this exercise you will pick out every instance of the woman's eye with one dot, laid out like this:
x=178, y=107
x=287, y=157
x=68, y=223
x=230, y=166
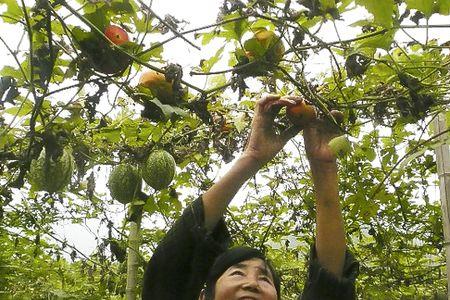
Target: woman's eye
x=265, y=278
x=240, y=273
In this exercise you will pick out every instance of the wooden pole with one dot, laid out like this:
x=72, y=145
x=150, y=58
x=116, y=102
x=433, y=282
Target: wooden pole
x=133, y=258
x=443, y=170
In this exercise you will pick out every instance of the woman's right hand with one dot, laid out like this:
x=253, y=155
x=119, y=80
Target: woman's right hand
x=317, y=136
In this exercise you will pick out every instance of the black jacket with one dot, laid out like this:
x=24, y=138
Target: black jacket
x=181, y=262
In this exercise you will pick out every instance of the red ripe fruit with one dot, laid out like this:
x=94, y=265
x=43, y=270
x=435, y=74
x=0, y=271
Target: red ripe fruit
x=116, y=35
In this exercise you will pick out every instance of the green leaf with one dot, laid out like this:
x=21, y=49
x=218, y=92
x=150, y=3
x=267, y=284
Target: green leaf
x=98, y=18
x=112, y=135
x=254, y=46
x=142, y=24
x=20, y=110
x=71, y=70
x=216, y=81
x=240, y=27
x=168, y=110
x=360, y=23
x=121, y=7
x=429, y=7
x=207, y=37
x=309, y=23
x=240, y=122
x=344, y=5
x=425, y=6
x=207, y=65
x=129, y=130
x=90, y=8
x=154, y=53
x=13, y=12
x=6, y=140
x=327, y=4
x=234, y=30
x=401, y=168
x=443, y=7
x=8, y=71
x=382, y=41
x=381, y=10
x=80, y=35
x=369, y=153
x=150, y=205
x=262, y=23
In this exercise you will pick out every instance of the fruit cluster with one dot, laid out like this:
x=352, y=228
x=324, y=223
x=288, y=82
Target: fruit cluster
x=125, y=181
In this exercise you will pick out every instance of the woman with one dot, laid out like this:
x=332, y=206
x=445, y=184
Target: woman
x=193, y=260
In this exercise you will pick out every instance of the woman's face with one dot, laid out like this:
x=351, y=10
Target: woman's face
x=248, y=280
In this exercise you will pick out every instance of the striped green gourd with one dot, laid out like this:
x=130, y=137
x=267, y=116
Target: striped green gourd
x=124, y=183
x=159, y=169
x=50, y=174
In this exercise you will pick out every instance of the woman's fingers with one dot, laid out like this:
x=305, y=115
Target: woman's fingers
x=266, y=100
x=275, y=106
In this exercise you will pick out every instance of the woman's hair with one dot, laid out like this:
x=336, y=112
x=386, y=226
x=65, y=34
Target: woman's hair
x=232, y=257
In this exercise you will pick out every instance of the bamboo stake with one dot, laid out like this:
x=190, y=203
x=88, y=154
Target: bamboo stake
x=443, y=170
x=133, y=260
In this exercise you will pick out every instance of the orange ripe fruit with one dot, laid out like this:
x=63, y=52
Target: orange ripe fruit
x=116, y=35
x=270, y=41
x=158, y=85
x=301, y=113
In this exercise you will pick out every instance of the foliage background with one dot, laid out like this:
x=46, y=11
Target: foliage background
x=390, y=78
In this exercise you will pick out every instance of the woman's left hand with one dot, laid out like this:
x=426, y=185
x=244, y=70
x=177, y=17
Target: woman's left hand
x=264, y=142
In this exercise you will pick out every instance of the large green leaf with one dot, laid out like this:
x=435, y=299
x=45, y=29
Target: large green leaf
x=425, y=6
x=383, y=41
x=443, y=7
x=382, y=10
x=13, y=12
x=430, y=7
x=234, y=30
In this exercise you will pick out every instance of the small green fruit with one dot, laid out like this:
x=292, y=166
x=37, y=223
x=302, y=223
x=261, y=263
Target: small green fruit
x=340, y=145
x=159, y=169
x=124, y=183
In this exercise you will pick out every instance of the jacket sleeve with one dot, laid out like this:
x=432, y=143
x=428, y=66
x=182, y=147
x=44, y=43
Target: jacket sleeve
x=181, y=262
x=323, y=285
